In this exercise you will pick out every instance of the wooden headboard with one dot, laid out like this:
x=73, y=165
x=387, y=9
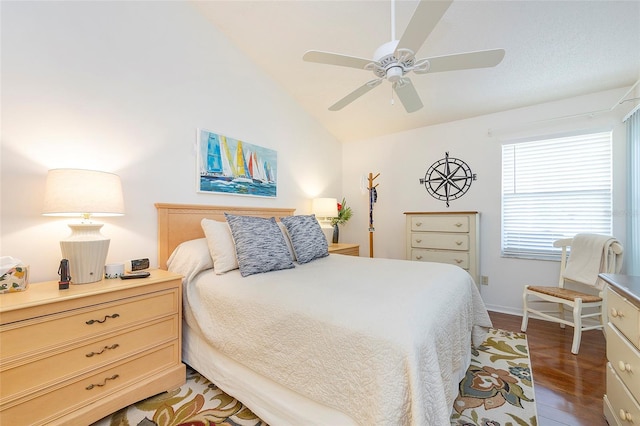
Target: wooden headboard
x=181, y=222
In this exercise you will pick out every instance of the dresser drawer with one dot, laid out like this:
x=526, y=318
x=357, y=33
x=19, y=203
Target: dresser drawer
x=440, y=241
x=440, y=223
x=460, y=259
x=50, y=331
x=625, y=359
x=50, y=368
x=68, y=396
x=624, y=406
x=612, y=419
x=624, y=315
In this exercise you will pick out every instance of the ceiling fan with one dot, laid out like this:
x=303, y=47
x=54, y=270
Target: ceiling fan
x=395, y=59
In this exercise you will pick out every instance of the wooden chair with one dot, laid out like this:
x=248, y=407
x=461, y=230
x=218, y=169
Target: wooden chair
x=573, y=300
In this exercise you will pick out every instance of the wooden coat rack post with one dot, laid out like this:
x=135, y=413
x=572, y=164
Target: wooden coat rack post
x=373, y=196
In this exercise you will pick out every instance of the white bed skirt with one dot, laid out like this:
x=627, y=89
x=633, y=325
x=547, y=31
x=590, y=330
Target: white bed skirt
x=270, y=401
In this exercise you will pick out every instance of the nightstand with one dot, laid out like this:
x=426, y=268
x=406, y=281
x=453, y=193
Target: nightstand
x=74, y=356
x=348, y=249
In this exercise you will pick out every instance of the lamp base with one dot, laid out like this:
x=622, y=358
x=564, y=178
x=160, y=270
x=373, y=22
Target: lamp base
x=327, y=229
x=86, y=249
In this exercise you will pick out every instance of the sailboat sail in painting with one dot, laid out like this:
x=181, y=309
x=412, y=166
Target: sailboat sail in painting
x=231, y=166
x=216, y=162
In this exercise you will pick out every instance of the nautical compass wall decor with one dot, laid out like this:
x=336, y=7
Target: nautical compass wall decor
x=448, y=179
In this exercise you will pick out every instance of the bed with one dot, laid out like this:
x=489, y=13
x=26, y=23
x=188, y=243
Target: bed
x=335, y=340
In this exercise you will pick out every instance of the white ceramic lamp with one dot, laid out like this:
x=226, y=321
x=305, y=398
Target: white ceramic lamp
x=84, y=193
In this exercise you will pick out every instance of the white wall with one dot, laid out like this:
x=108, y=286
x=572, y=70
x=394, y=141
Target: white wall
x=122, y=87
x=403, y=158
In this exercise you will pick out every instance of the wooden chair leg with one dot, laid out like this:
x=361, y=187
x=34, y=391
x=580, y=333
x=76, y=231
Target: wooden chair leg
x=577, y=326
x=561, y=314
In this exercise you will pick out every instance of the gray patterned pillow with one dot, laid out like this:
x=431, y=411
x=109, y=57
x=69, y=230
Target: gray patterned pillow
x=260, y=245
x=306, y=236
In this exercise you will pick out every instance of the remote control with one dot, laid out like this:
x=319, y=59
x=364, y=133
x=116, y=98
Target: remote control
x=132, y=275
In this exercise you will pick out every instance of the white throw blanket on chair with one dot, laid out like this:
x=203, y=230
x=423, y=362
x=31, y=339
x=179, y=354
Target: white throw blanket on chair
x=590, y=256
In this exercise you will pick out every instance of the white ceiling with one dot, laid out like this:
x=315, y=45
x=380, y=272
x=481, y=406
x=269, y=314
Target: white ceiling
x=554, y=50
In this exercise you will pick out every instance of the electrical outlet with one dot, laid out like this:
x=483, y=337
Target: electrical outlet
x=485, y=280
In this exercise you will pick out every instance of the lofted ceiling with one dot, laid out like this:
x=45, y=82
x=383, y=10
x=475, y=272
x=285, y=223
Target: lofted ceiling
x=554, y=50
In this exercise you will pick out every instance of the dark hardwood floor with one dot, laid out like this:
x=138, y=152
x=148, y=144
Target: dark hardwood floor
x=568, y=388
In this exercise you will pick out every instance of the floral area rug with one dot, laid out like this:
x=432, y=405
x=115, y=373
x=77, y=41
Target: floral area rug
x=498, y=387
x=496, y=391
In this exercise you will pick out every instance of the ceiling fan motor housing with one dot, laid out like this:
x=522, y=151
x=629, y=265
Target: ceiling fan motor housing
x=387, y=65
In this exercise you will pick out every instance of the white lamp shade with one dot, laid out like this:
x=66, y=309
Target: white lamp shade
x=77, y=192
x=325, y=207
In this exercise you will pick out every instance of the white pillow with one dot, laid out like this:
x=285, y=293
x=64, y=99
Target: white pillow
x=190, y=258
x=221, y=246
x=287, y=240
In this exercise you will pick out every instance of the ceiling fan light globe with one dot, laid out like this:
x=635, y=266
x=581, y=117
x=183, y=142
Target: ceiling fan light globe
x=394, y=74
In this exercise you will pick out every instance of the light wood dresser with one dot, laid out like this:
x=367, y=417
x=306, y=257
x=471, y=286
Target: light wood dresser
x=344, y=248
x=445, y=237
x=621, y=402
x=74, y=356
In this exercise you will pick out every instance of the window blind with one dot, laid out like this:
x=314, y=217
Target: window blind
x=554, y=188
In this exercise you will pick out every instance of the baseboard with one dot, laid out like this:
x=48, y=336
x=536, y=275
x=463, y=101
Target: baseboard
x=518, y=313
x=504, y=310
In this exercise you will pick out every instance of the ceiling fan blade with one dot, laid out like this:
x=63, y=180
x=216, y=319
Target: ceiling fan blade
x=407, y=94
x=335, y=59
x=425, y=18
x=463, y=61
x=355, y=94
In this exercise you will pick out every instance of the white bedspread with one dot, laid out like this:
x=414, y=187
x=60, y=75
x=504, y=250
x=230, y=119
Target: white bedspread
x=385, y=341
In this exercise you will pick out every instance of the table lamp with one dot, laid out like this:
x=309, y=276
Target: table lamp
x=84, y=193
x=325, y=209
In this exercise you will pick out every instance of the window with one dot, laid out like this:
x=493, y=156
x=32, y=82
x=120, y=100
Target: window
x=554, y=188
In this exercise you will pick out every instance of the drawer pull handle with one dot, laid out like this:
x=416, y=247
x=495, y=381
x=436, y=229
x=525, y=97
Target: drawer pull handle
x=625, y=415
x=104, y=382
x=624, y=366
x=419, y=257
x=458, y=243
x=106, y=348
x=103, y=320
x=458, y=225
x=418, y=240
x=616, y=313
x=458, y=261
x=418, y=223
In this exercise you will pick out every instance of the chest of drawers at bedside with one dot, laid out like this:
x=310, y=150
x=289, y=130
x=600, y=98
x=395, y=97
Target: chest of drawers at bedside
x=77, y=355
x=445, y=237
x=621, y=402
x=344, y=248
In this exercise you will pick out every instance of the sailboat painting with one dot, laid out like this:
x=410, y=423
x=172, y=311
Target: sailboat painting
x=231, y=166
